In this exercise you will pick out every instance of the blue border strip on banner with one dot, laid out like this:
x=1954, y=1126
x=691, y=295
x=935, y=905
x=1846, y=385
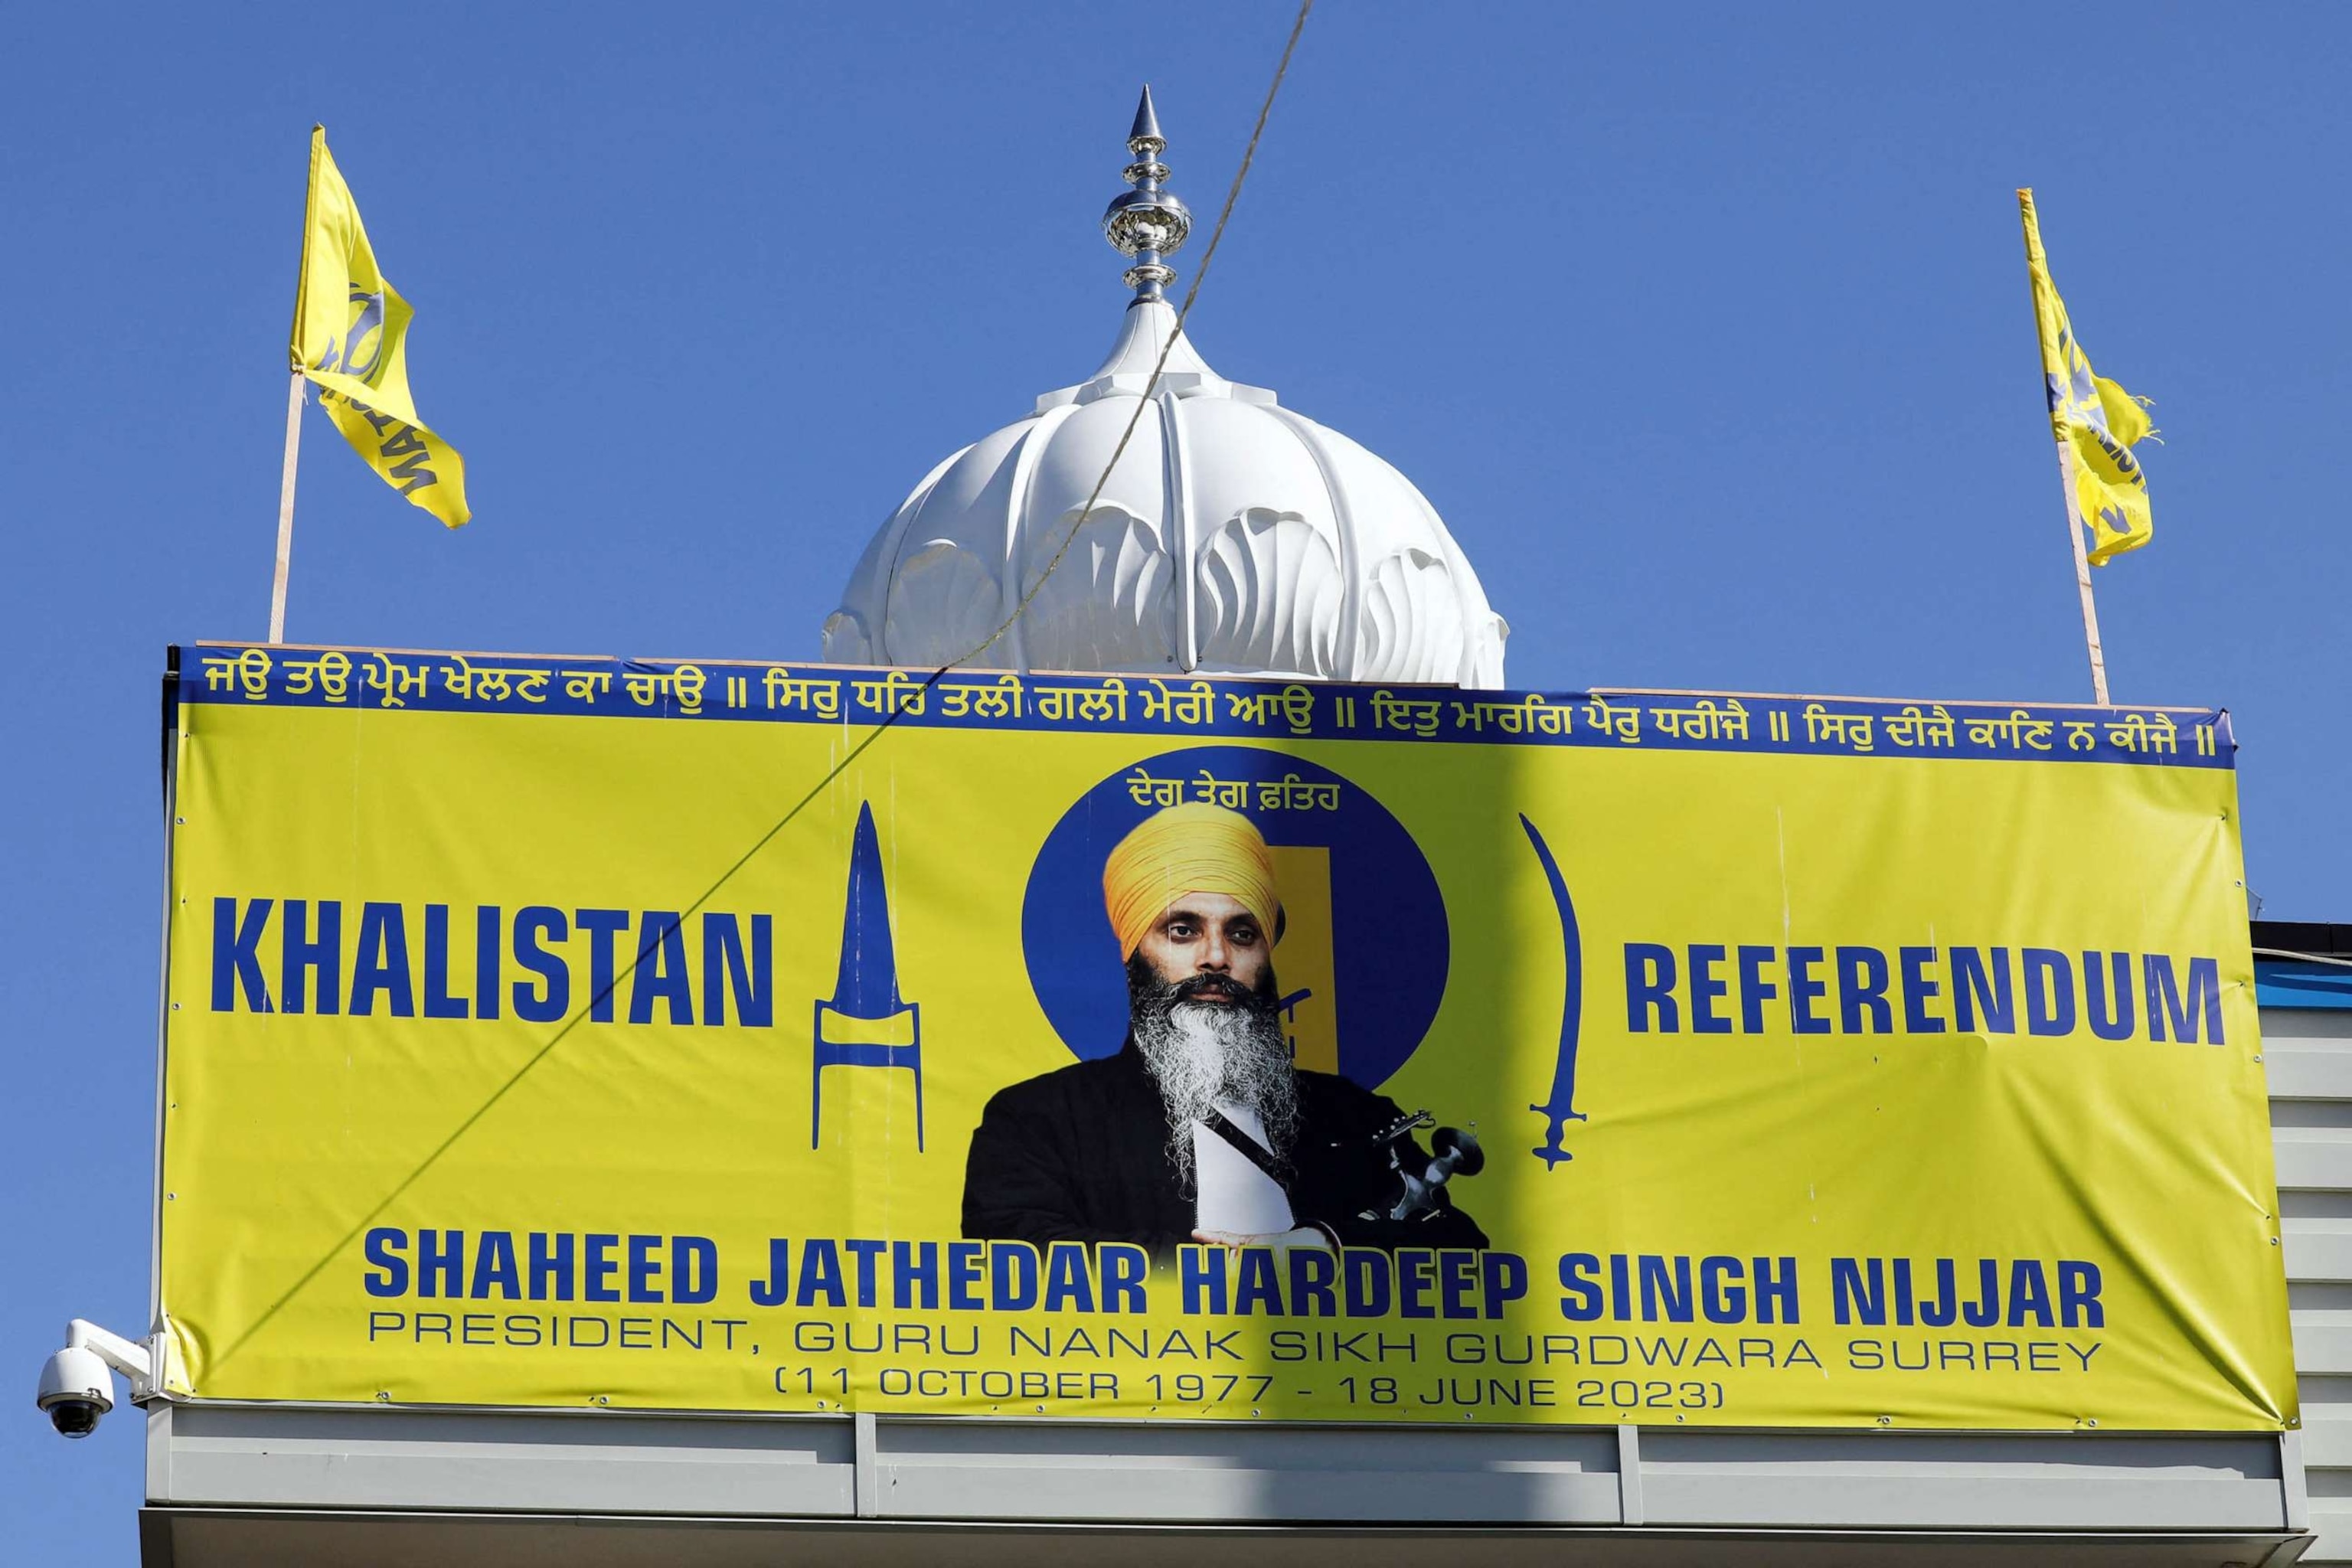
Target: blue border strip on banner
x=245, y=675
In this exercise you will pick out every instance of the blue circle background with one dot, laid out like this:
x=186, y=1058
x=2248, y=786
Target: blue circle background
x=1389, y=940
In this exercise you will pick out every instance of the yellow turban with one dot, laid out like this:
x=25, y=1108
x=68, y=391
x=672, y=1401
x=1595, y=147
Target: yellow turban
x=1190, y=848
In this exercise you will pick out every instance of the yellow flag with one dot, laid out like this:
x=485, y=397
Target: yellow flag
x=351, y=331
x=2093, y=415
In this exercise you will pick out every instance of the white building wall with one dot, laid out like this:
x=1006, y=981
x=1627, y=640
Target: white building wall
x=2308, y=1055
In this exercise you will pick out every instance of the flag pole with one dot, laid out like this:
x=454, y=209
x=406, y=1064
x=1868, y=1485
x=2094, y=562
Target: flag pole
x=2066, y=461
x=286, y=512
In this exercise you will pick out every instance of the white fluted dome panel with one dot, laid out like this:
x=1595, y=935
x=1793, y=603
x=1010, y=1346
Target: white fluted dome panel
x=1233, y=536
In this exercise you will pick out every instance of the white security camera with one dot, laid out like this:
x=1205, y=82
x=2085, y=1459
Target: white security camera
x=78, y=1383
x=77, y=1388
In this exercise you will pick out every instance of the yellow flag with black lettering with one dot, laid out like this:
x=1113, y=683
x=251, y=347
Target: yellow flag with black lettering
x=351, y=339
x=2093, y=417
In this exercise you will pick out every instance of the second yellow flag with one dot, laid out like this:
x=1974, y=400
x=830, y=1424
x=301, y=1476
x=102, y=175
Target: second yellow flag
x=350, y=329
x=2093, y=417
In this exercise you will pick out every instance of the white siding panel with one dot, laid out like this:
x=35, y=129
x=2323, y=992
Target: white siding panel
x=2308, y=1073
x=2331, y=1519
x=2326, y=1436
x=2305, y=1028
x=2308, y=1057
x=2318, y=1251
x=2314, y=1158
x=2323, y=1343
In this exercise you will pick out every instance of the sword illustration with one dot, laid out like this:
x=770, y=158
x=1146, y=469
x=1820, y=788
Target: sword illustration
x=1560, y=1109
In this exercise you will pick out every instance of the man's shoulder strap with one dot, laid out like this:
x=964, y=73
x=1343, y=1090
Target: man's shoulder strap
x=1249, y=1148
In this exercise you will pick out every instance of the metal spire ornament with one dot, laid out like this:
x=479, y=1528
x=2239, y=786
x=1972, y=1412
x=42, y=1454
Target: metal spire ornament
x=1147, y=223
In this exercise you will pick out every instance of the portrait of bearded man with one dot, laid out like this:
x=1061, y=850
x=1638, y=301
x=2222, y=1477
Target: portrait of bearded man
x=1201, y=1128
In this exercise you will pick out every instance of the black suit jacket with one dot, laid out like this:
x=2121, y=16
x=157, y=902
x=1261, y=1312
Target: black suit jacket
x=1081, y=1154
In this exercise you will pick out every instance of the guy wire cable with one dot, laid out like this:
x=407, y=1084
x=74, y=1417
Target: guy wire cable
x=2302, y=957
x=624, y=972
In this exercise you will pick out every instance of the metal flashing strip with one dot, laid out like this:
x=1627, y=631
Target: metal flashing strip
x=1629, y=1474
x=866, y=1447
x=1147, y=1477
x=2299, y=1487
x=204, y=1537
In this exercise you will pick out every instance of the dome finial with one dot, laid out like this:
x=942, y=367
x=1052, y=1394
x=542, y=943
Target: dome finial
x=1145, y=129
x=1147, y=223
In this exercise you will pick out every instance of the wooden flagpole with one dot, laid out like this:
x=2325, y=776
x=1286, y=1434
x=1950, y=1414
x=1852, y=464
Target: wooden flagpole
x=285, y=514
x=2066, y=461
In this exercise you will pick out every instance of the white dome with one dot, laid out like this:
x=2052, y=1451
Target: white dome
x=1235, y=537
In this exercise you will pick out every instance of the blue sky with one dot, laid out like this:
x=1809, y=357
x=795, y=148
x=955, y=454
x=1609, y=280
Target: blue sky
x=1706, y=328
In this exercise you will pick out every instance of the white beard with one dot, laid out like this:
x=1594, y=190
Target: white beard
x=1201, y=1053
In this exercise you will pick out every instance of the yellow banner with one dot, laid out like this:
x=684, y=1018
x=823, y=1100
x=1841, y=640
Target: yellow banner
x=350, y=338
x=537, y=1038
x=2095, y=418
